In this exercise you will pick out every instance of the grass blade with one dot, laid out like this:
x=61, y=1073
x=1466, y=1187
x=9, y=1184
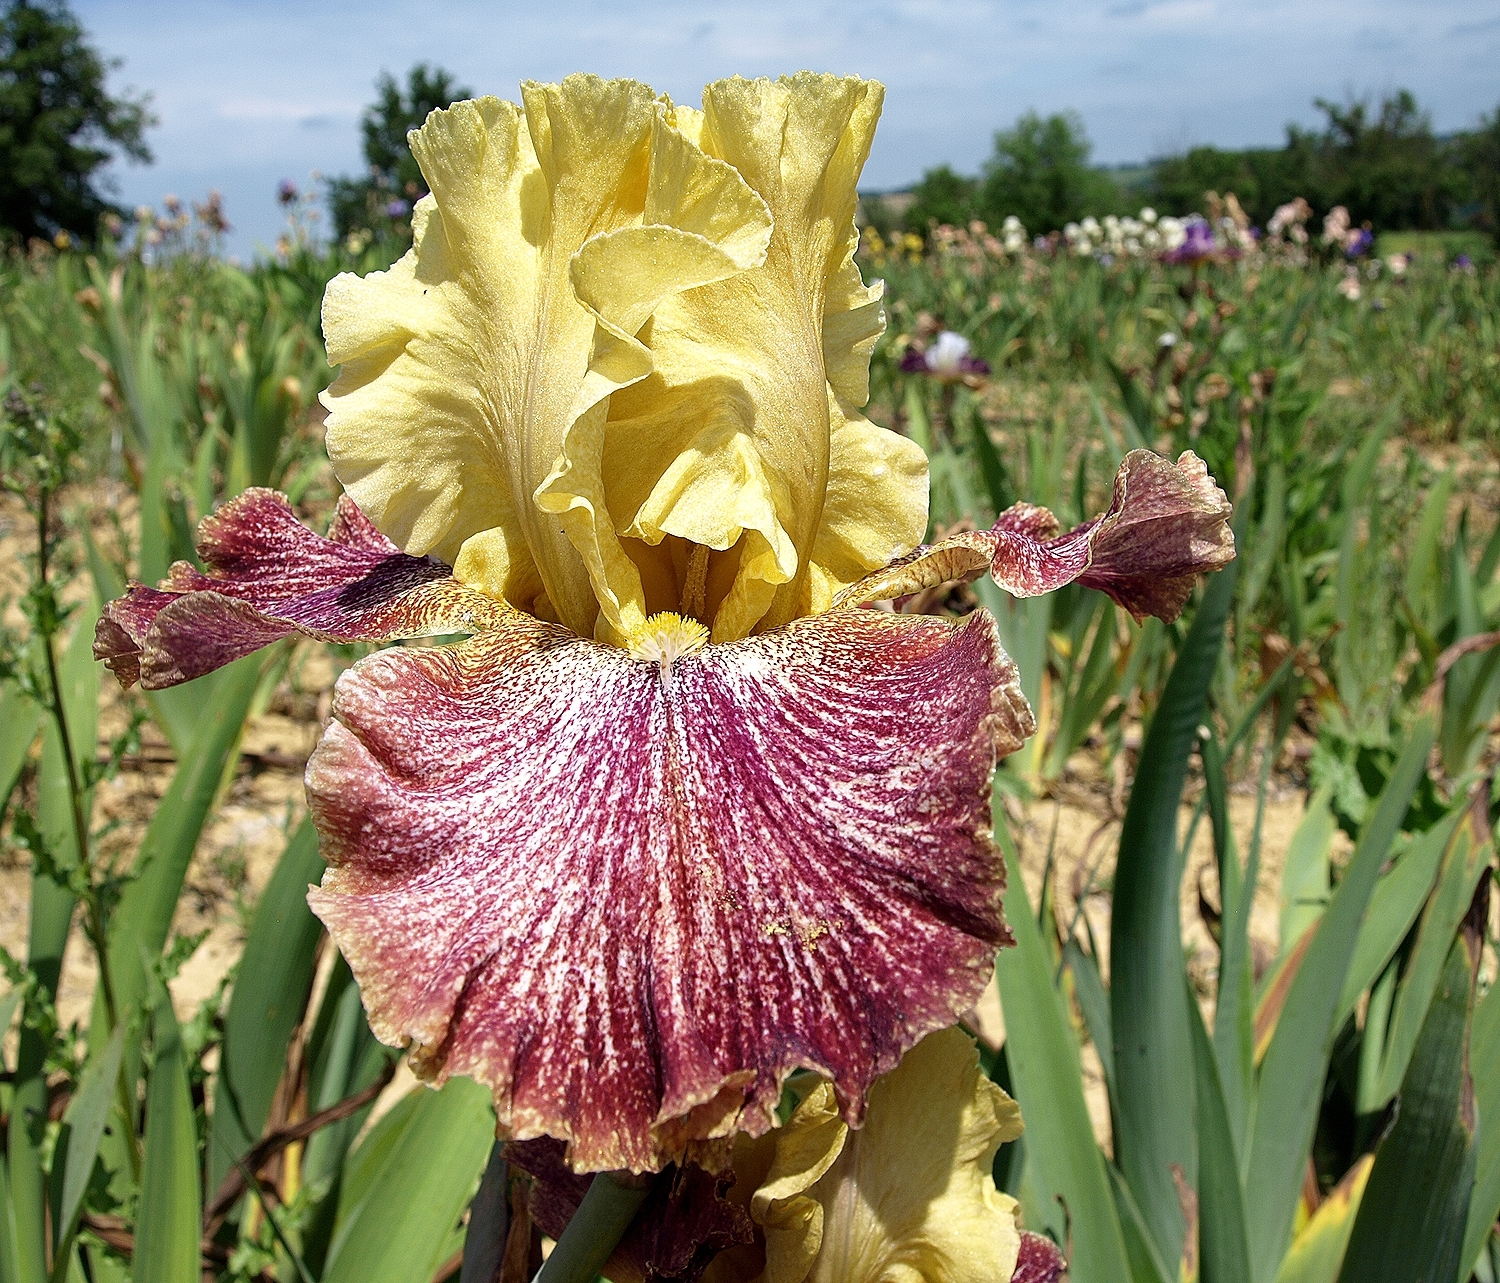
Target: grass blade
x=1304, y=875
x=1223, y=1246
x=1093, y=1001
x=140, y=924
x=1062, y=1158
x=402, y=1212
x=1464, y=862
x=78, y=1139
x=1484, y=1062
x=51, y=917
x=1296, y=1061
x=1394, y=907
x=166, y=1240
x=1413, y=1214
x=270, y=994
x=1318, y=1251
x=1146, y=1265
x=19, y=721
x=1153, y=1041
x=1233, y=1032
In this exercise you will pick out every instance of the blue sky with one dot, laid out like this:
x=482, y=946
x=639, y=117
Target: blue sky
x=251, y=93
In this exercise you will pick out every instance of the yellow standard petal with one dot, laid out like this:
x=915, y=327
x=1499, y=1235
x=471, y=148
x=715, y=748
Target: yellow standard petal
x=719, y=465
x=465, y=366
x=908, y=1198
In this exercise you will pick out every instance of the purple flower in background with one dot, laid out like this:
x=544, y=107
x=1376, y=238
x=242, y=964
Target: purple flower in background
x=1198, y=244
x=1463, y=262
x=398, y=208
x=1358, y=242
x=286, y=191
x=949, y=358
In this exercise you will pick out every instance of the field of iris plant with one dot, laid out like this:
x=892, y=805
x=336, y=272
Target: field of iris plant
x=682, y=614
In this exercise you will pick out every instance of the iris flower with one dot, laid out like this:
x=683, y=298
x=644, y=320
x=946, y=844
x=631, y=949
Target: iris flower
x=950, y=359
x=680, y=817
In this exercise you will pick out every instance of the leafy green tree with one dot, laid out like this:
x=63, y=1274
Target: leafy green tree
x=1479, y=155
x=1040, y=172
x=382, y=199
x=58, y=123
x=1387, y=166
x=942, y=196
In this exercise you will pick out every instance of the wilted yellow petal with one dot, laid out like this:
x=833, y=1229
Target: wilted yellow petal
x=909, y=1197
x=466, y=366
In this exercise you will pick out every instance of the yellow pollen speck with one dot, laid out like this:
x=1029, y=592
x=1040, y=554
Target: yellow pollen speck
x=667, y=637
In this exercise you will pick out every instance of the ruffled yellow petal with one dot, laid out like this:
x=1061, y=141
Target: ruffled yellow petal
x=875, y=509
x=908, y=1198
x=728, y=444
x=472, y=364
x=617, y=374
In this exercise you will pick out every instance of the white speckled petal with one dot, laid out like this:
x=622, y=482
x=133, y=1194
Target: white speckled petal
x=631, y=902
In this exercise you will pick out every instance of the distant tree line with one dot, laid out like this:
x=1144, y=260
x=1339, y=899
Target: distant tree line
x=1383, y=163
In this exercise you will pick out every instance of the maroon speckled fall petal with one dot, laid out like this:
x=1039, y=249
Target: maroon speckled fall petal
x=1039, y=1261
x=632, y=903
x=269, y=576
x=1167, y=524
x=684, y=1223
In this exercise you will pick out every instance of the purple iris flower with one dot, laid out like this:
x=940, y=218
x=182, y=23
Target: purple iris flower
x=1463, y=262
x=1359, y=243
x=1198, y=246
x=949, y=358
x=398, y=208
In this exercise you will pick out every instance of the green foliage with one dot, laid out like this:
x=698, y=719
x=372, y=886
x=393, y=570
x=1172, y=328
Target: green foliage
x=1385, y=165
x=1382, y=162
x=58, y=124
x=1480, y=152
x=1040, y=173
x=943, y=196
x=1260, y=177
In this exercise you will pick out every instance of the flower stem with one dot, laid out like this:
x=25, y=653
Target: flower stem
x=596, y=1228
